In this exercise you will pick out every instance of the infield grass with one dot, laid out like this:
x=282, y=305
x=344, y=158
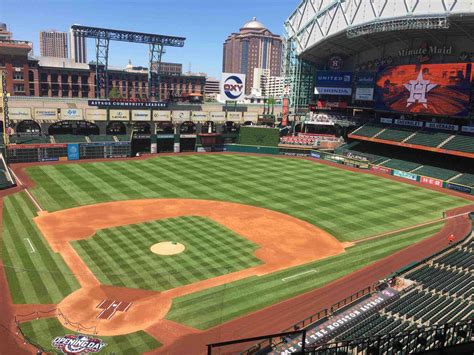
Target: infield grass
x=34, y=272
x=216, y=305
x=43, y=331
x=346, y=204
x=121, y=256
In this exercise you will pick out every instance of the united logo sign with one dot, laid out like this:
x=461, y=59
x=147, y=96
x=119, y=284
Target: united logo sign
x=232, y=86
x=76, y=344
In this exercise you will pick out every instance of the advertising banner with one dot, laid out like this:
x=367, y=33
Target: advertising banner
x=323, y=90
x=365, y=79
x=460, y=188
x=315, y=155
x=181, y=116
x=161, y=116
x=234, y=116
x=430, y=181
x=409, y=123
x=141, y=115
x=73, y=151
x=251, y=117
x=364, y=94
x=468, y=129
x=381, y=169
x=438, y=89
x=232, y=87
x=386, y=120
x=405, y=175
x=19, y=114
x=46, y=114
x=119, y=115
x=200, y=116
x=217, y=116
x=340, y=79
x=71, y=114
x=96, y=115
x=445, y=126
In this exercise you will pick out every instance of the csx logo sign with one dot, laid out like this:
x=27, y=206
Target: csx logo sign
x=233, y=86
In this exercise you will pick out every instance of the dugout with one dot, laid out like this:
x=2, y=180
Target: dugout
x=187, y=136
x=164, y=137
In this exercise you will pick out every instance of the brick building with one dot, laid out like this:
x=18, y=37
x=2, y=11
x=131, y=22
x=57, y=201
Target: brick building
x=253, y=47
x=53, y=44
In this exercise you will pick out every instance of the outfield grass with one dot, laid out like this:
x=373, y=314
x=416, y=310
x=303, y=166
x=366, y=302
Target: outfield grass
x=34, y=272
x=43, y=331
x=121, y=256
x=346, y=204
x=216, y=305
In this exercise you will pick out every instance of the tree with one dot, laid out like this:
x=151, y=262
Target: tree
x=114, y=94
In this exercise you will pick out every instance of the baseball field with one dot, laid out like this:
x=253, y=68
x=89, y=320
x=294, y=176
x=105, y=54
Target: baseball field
x=144, y=251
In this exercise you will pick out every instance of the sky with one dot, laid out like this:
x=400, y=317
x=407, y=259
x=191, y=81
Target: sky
x=205, y=24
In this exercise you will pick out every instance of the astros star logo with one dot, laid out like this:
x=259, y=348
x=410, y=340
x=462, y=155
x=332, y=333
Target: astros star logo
x=418, y=89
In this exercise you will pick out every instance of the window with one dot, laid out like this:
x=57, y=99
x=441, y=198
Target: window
x=18, y=88
x=18, y=75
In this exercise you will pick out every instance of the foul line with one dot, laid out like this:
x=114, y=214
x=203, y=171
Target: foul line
x=37, y=205
x=297, y=275
x=31, y=245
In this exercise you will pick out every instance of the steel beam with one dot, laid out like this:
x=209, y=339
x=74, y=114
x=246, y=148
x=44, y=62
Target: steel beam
x=101, y=67
x=156, y=53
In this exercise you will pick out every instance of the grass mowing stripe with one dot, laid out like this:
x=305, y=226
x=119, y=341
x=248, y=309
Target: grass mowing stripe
x=39, y=277
x=213, y=306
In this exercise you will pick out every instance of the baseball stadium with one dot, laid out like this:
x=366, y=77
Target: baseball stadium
x=338, y=223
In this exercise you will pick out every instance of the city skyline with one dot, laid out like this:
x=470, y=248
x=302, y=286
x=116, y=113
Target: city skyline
x=205, y=34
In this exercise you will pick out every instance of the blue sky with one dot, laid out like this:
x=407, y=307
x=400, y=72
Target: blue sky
x=205, y=24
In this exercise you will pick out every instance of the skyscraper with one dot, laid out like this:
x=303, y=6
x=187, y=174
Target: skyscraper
x=77, y=48
x=253, y=47
x=53, y=44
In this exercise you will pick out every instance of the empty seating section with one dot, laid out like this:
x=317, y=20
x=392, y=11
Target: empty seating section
x=441, y=279
x=30, y=139
x=5, y=178
x=298, y=140
x=101, y=138
x=461, y=143
x=69, y=138
x=395, y=134
x=428, y=139
x=369, y=130
x=401, y=165
x=464, y=179
x=458, y=258
x=437, y=173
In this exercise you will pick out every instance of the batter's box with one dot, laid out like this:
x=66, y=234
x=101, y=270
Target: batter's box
x=109, y=308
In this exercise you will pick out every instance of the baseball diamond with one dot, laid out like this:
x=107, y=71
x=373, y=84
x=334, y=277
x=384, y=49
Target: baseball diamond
x=248, y=245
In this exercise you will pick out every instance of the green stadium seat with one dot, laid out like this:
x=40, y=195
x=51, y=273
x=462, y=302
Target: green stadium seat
x=396, y=134
x=437, y=173
x=123, y=138
x=369, y=130
x=428, y=139
x=401, y=165
x=464, y=179
x=461, y=143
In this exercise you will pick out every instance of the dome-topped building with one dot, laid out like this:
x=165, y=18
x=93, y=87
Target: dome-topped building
x=253, y=24
x=254, y=46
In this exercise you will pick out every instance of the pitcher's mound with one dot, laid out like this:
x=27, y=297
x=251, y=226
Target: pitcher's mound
x=167, y=248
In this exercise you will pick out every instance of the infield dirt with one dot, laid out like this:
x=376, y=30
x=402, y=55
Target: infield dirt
x=268, y=229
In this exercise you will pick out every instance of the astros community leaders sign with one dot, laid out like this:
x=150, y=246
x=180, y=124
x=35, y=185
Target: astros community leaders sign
x=232, y=86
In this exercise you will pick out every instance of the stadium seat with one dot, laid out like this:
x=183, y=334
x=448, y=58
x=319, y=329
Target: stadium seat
x=461, y=143
x=428, y=139
x=396, y=134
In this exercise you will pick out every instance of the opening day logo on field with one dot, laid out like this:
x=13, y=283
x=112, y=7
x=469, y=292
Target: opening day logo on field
x=233, y=86
x=76, y=344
